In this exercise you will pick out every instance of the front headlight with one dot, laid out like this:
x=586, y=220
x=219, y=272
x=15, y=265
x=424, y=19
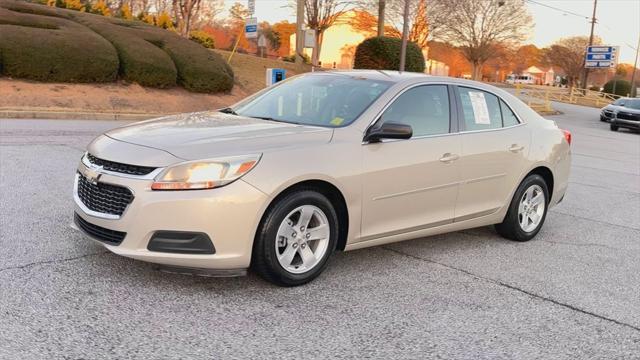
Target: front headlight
x=205, y=174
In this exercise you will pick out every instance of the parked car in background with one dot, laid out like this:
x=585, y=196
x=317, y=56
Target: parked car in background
x=622, y=113
x=321, y=162
x=520, y=79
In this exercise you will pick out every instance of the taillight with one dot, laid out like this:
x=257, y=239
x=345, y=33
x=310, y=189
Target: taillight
x=567, y=135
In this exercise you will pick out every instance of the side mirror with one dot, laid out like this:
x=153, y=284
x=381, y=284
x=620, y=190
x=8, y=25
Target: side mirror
x=388, y=130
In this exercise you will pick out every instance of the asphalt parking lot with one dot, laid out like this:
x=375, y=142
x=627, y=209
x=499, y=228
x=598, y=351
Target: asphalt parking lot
x=573, y=292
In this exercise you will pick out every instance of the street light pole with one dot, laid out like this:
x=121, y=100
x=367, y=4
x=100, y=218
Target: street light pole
x=299, y=34
x=634, y=91
x=593, y=23
x=405, y=34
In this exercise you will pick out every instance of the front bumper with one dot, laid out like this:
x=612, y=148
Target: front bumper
x=228, y=215
x=629, y=124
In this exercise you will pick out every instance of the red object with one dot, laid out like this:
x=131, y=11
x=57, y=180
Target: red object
x=567, y=135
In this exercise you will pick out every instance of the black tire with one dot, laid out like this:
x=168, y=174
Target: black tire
x=603, y=119
x=510, y=227
x=613, y=127
x=264, y=259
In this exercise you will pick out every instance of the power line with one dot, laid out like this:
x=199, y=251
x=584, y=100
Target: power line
x=567, y=12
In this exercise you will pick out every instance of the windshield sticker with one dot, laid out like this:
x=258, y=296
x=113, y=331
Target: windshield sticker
x=337, y=121
x=480, y=109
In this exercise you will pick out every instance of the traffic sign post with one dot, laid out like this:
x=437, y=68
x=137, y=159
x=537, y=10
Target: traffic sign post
x=251, y=6
x=601, y=57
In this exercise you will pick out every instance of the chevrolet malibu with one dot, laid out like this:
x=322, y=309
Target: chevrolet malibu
x=321, y=162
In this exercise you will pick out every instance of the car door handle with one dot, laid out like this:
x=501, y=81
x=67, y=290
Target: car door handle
x=516, y=148
x=448, y=157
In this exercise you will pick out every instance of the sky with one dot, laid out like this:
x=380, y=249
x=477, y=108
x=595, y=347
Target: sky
x=618, y=21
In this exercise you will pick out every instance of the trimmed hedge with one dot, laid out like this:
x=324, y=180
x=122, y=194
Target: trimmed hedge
x=96, y=48
x=53, y=49
x=383, y=53
x=140, y=61
x=623, y=87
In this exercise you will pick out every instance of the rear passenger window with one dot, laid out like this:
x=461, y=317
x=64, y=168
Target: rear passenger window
x=508, y=117
x=425, y=108
x=480, y=109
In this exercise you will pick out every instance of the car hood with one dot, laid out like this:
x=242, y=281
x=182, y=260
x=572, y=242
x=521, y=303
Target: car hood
x=212, y=134
x=622, y=108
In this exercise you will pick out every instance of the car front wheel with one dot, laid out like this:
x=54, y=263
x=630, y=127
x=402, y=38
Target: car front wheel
x=527, y=211
x=613, y=127
x=297, y=236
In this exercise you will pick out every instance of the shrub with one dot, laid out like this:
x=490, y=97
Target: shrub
x=292, y=58
x=199, y=69
x=141, y=61
x=125, y=12
x=163, y=20
x=383, y=53
x=623, y=87
x=52, y=48
x=203, y=38
x=70, y=46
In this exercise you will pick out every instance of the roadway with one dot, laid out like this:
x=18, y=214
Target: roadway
x=570, y=293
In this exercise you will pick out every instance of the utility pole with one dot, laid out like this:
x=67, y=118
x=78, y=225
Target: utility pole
x=299, y=34
x=585, y=75
x=381, y=5
x=405, y=34
x=634, y=91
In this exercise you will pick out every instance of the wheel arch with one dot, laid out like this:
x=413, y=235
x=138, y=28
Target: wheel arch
x=331, y=192
x=546, y=173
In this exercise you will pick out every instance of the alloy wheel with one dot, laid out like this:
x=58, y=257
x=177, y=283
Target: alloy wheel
x=531, y=208
x=302, y=239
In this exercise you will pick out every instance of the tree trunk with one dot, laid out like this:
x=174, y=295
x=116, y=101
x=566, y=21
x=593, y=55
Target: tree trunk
x=476, y=70
x=381, y=6
x=315, y=56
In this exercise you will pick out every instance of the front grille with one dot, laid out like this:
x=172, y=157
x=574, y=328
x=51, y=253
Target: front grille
x=108, y=236
x=628, y=116
x=103, y=198
x=119, y=167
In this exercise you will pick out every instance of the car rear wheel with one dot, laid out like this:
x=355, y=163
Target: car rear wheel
x=295, y=239
x=527, y=211
x=613, y=127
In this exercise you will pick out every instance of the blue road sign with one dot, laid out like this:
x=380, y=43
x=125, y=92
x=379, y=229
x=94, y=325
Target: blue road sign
x=251, y=28
x=601, y=56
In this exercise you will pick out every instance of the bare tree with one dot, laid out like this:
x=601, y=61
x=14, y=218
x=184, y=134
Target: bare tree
x=478, y=26
x=187, y=12
x=321, y=15
x=424, y=18
x=568, y=54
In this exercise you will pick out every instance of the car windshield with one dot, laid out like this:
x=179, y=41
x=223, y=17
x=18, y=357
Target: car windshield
x=632, y=103
x=330, y=100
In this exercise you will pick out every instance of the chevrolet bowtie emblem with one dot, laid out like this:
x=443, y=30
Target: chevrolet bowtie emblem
x=92, y=174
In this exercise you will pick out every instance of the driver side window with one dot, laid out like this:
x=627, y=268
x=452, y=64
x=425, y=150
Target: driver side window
x=425, y=108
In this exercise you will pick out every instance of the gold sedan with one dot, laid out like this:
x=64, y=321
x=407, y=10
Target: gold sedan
x=321, y=162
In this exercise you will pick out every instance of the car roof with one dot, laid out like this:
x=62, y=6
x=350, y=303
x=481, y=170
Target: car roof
x=403, y=77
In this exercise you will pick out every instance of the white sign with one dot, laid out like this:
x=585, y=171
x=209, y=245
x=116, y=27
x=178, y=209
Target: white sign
x=251, y=6
x=262, y=41
x=480, y=109
x=251, y=28
x=310, y=38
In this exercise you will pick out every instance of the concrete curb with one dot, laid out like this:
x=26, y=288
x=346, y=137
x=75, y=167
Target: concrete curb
x=74, y=115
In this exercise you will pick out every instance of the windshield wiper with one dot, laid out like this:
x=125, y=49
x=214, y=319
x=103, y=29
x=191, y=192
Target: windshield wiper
x=228, y=110
x=276, y=120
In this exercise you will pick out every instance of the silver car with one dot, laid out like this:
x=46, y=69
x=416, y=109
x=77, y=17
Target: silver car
x=622, y=113
x=321, y=162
